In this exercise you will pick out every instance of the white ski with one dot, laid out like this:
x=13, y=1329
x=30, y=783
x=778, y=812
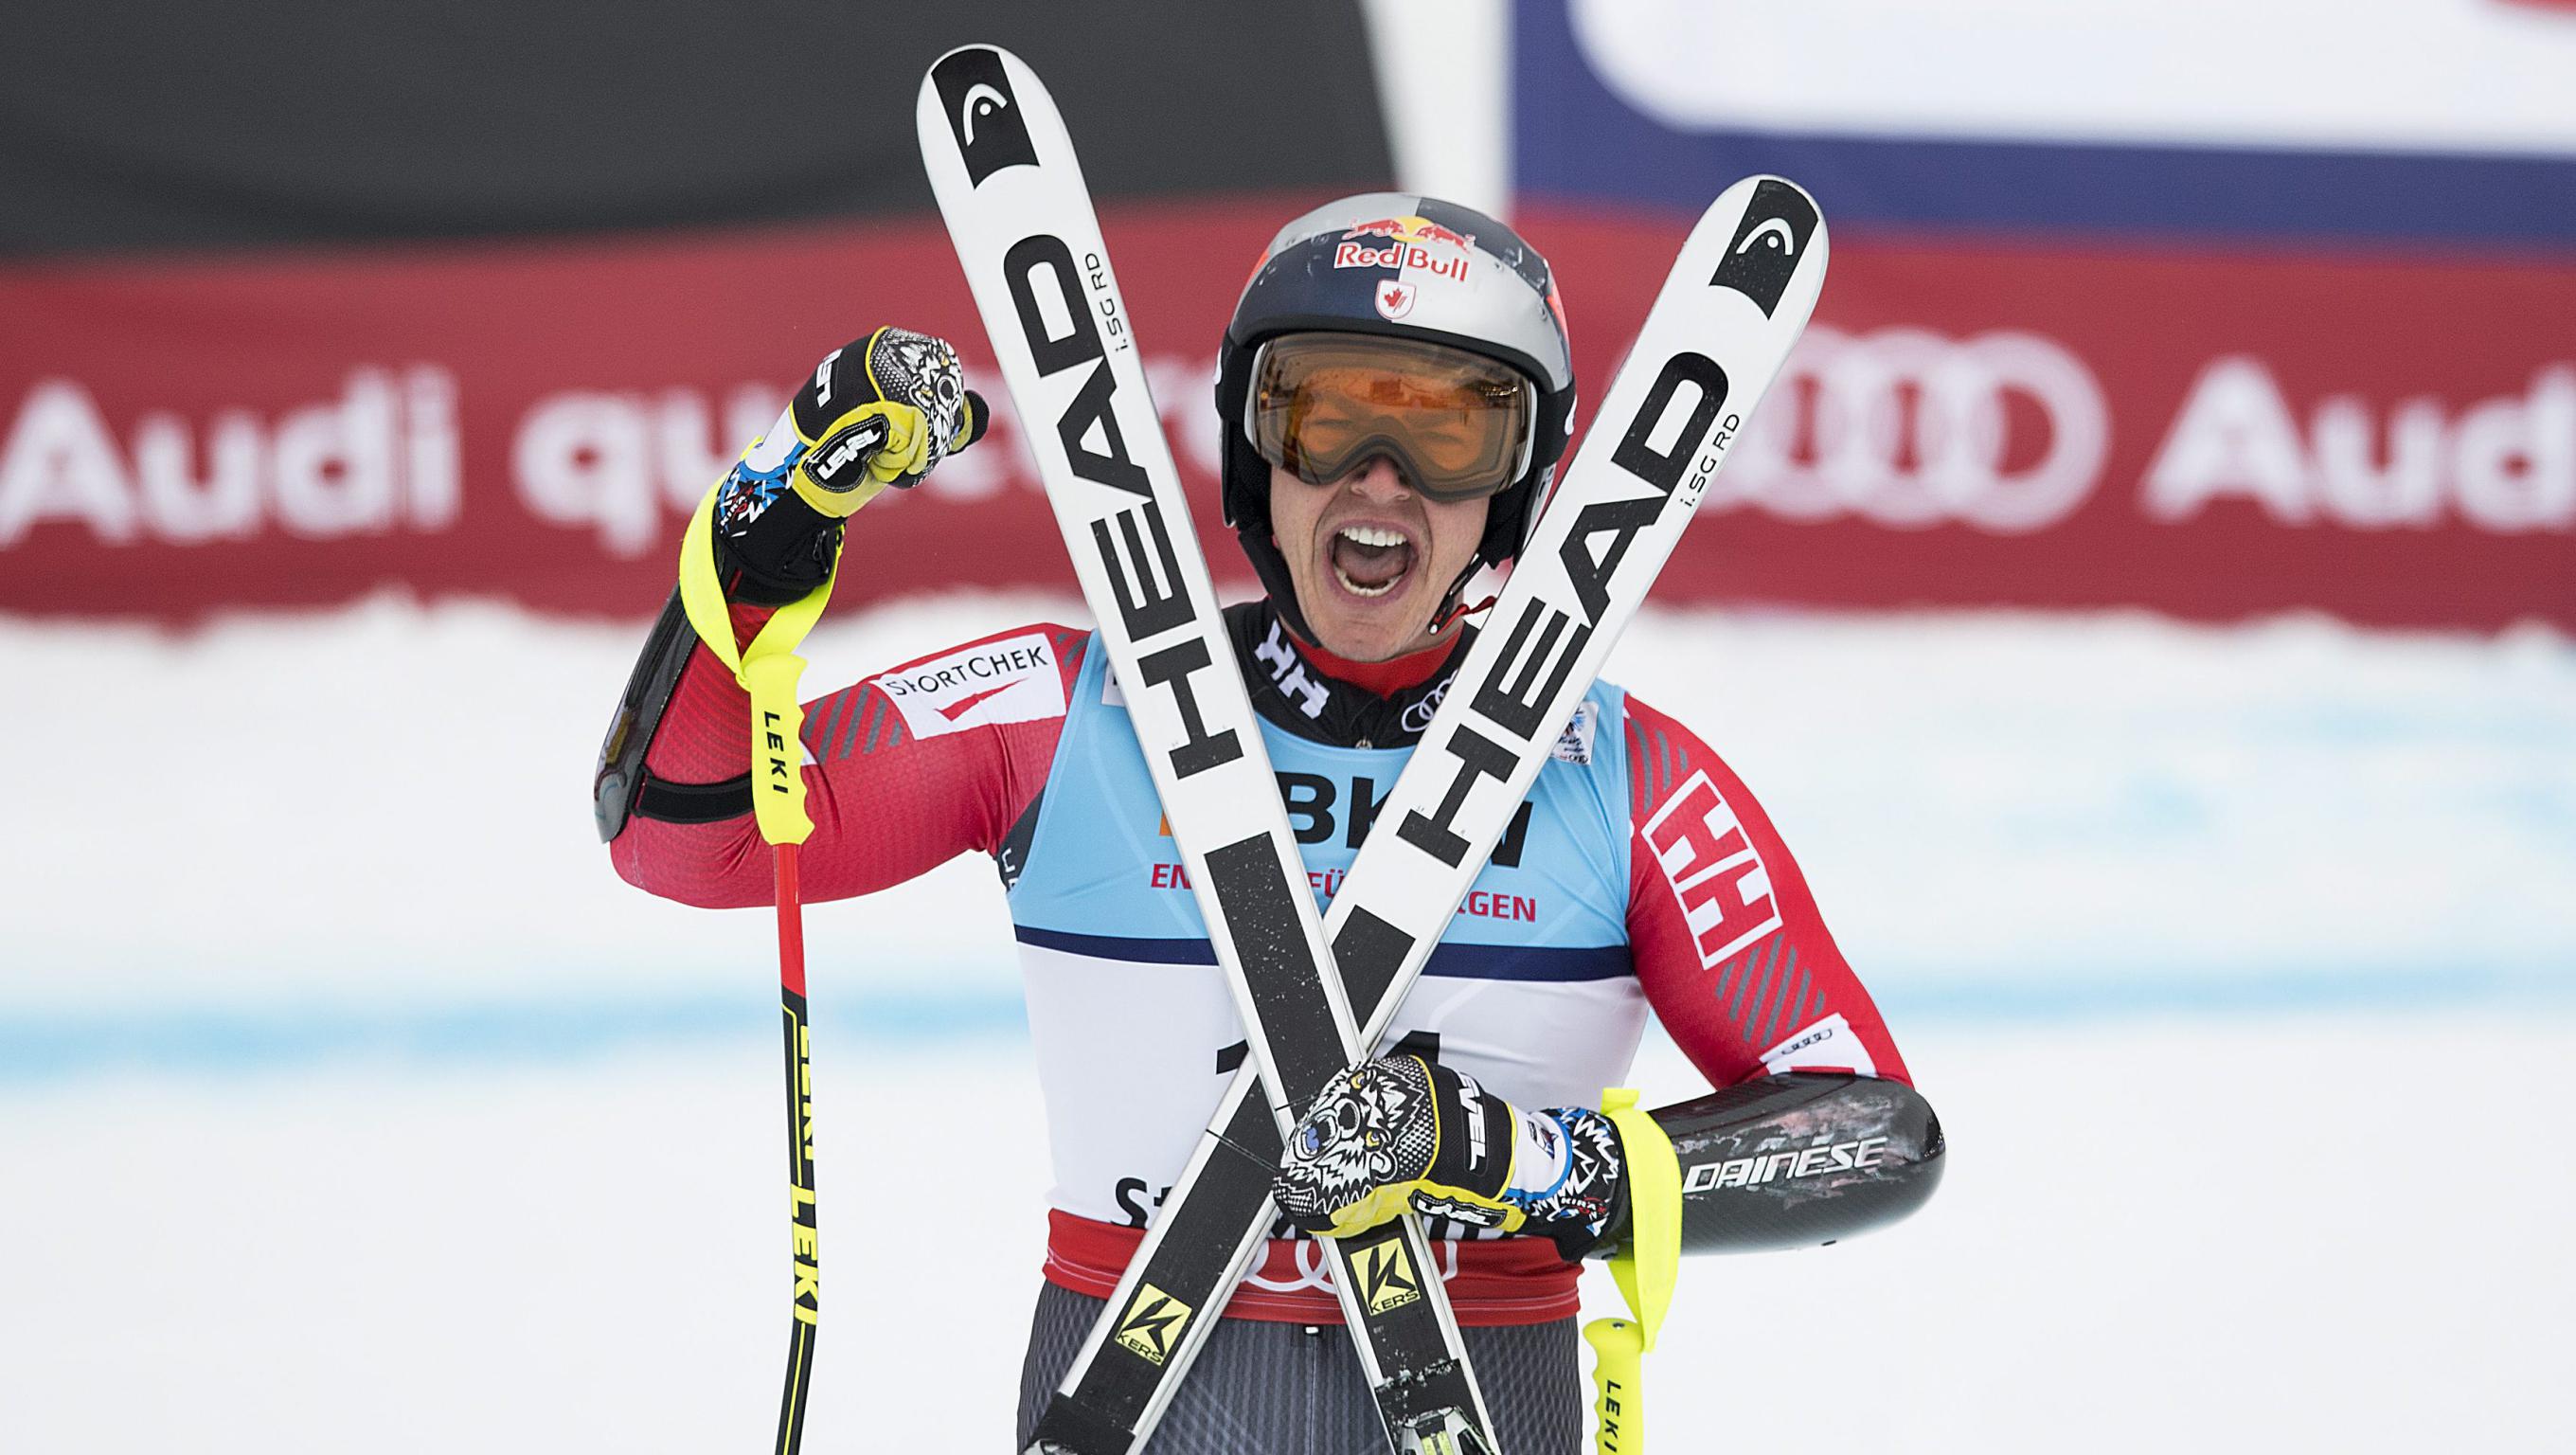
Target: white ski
x=1008, y=184
x=1737, y=298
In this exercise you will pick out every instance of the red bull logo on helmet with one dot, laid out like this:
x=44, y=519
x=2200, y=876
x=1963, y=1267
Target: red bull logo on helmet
x=1402, y=255
x=1411, y=242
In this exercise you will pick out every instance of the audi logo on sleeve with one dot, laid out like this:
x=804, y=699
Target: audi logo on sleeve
x=1710, y=864
x=2008, y=432
x=1827, y=1045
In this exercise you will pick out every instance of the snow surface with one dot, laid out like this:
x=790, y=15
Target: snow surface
x=2343, y=1235
x=389, y=806
x=348, y=1100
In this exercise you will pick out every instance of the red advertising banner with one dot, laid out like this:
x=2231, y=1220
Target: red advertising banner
x=2214, y=436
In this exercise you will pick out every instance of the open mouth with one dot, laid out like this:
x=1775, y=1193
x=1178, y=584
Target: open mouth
x=1370, y=560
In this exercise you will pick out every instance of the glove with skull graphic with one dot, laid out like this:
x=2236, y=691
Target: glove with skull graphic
x=882, y=411
x=1406, y=1134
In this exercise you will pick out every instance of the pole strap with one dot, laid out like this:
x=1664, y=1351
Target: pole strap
x=768, y=669
x=1645, y=1268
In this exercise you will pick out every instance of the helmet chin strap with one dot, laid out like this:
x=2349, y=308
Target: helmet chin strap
x=1452, y=609
x=1458, y=610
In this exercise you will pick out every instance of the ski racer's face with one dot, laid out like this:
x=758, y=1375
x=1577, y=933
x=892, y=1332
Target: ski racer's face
x=1371, y=557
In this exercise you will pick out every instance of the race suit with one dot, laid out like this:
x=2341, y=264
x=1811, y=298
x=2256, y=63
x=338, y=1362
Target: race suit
x=1640, y=874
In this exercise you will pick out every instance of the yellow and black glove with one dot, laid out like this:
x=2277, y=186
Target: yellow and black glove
x=884, y=410
x=1406, y=1134
x=881, y=411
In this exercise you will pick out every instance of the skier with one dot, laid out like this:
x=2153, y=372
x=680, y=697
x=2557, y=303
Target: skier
x=1395, y=389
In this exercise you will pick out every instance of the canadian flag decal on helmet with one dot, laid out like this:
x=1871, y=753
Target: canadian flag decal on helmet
x=1394, y=299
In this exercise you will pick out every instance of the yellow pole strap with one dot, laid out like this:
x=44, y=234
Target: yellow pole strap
x=1646, y=1270
x=767, y=669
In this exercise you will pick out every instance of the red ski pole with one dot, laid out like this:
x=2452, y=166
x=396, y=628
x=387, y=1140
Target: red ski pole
x=800, y=1152
x=768, y=669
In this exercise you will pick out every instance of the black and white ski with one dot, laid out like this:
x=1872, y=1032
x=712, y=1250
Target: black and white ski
x=1004, y=171
x=1737, y=298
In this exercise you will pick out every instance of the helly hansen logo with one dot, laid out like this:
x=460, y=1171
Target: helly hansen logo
x=1288, y=672
x=1709, y=861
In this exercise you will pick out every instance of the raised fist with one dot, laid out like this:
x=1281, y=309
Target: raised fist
x=884, y=410
x=881, y=411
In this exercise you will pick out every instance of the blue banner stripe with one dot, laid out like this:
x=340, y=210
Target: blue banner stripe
x=1574, y=139
x=41, y=1048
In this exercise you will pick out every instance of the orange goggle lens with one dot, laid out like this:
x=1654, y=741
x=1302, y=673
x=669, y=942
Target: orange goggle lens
x=1458, y=425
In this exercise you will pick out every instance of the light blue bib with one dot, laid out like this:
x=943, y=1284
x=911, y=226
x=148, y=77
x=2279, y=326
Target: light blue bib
x=1102, y=880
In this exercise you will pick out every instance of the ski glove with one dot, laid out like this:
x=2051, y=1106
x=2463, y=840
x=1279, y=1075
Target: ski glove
x=1407, y=1134
x=881, y=411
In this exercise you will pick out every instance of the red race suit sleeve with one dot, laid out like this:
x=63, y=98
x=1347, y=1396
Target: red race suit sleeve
x=1729, y=946
x=910, y=768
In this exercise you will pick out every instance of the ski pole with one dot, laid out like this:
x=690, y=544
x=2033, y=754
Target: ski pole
x=768, y=669
x=1645, y=1271
x=800, y=1153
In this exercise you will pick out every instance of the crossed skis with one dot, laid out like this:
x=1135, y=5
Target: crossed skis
x=1008, y=184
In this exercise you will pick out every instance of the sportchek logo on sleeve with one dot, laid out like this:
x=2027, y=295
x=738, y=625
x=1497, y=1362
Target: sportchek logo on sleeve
x=1010, y=679
x=1709, y=861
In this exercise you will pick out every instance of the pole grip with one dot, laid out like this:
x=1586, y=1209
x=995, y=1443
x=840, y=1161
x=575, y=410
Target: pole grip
x=1618, y=1407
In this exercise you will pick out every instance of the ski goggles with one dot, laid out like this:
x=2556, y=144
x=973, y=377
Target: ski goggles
x=1459, y=425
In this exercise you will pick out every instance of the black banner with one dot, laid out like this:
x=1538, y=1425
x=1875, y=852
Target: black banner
x=130, y=124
